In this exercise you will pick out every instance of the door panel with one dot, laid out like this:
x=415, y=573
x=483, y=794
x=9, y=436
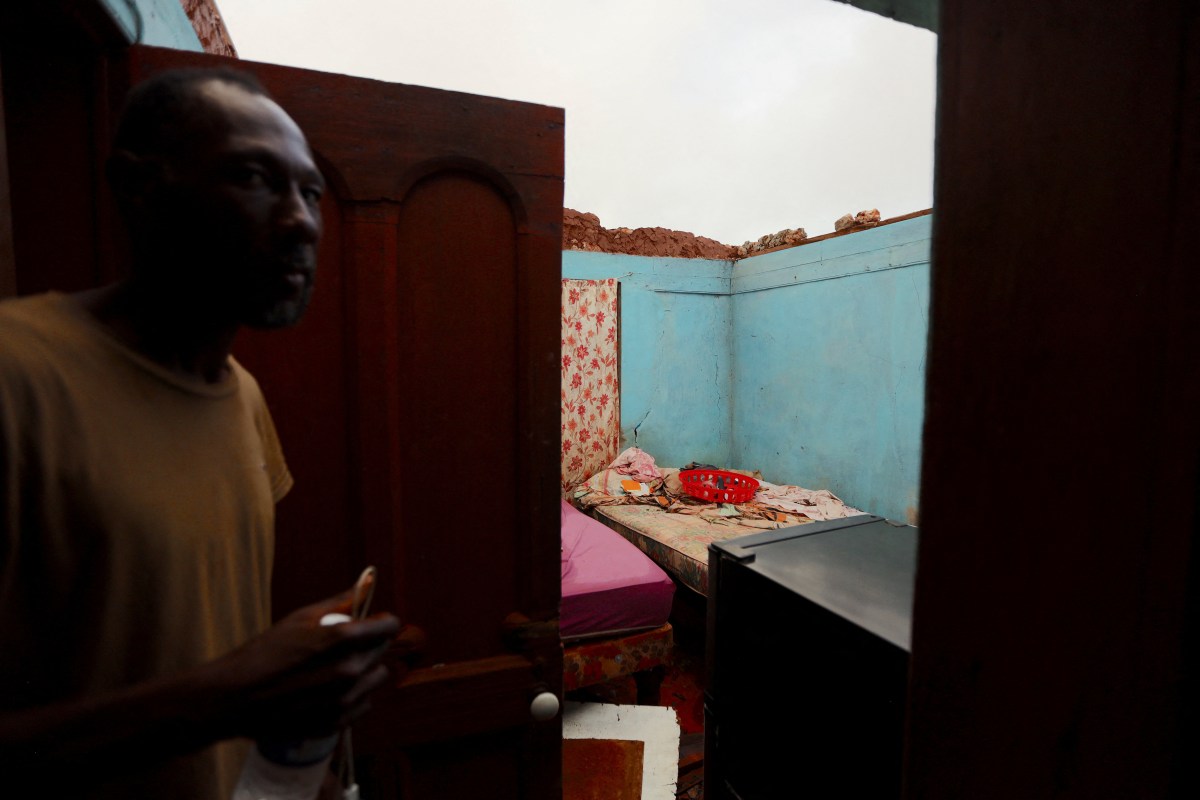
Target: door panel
x=458, y=402
x=417, y=408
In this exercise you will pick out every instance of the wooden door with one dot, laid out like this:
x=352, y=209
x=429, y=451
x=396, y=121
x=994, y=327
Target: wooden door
x=1056, y=643
x=417, y=405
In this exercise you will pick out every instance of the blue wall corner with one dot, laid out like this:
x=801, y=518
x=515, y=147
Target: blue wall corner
x=676, y=374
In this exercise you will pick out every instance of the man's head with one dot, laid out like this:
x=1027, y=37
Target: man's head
x=221, y=196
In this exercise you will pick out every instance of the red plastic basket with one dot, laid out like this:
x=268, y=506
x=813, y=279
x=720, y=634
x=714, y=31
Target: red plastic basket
x=718, y=485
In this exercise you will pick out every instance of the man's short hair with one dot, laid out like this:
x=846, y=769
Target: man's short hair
x=163, y=113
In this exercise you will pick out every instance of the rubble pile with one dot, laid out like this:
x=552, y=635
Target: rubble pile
x=582, y=231
x=863, y=219
x=783, y=238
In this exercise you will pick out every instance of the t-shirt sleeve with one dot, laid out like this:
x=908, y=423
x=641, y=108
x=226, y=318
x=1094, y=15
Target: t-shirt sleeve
x=277, y=469
x=278, y=474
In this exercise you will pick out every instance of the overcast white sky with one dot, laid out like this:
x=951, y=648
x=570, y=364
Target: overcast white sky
x=726, y=118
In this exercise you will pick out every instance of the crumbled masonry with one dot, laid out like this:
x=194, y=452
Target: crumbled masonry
x=863, y=219
x=784, y=238
x=583, y=231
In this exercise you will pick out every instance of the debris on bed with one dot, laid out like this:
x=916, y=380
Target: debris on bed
x=772, y=506
x=636, y=463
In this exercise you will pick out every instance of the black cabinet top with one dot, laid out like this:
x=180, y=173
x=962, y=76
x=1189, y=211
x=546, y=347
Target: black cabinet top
x=862, y=568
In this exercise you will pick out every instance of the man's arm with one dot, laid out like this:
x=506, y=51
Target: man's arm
x=298, y=679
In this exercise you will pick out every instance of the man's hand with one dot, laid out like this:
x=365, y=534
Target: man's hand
x=299, y=678
x=296, y=680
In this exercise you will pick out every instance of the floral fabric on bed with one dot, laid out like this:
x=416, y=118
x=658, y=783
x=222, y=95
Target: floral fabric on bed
x=591, y=414
x=589, y=663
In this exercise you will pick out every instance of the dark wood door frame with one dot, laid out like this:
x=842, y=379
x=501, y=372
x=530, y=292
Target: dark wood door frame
x=1052, y=640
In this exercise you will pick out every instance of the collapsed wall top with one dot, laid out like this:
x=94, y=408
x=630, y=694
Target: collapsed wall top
x=582, y=231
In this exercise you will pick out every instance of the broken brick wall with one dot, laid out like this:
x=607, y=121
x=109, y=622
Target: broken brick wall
x=583, y=231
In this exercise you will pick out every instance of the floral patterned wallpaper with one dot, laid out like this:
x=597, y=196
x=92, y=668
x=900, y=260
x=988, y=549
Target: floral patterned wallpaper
x=591, y=410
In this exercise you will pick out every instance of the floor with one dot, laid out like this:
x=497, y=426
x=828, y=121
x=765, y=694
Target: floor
x=682, y=690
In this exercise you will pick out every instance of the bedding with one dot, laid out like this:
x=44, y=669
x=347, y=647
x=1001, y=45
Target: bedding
x=609, y=587
x=675, y=529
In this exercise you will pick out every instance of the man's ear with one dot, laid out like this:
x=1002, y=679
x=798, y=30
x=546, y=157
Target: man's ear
x=135, y=179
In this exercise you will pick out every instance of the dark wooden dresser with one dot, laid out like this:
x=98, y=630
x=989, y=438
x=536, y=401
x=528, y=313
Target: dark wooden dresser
x=808, y=650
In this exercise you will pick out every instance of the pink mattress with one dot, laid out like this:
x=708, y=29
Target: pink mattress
x=608, y=585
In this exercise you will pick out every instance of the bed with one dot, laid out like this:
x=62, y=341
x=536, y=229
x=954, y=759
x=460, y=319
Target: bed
x=675, y=529
x=615, y=607
x=677, y=542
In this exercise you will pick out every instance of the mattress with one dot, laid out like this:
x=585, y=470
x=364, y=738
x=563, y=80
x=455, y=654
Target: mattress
x=679, y=542
x=609, y=586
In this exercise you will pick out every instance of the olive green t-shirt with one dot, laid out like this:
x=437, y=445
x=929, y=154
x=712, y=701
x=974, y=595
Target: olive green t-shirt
x=136, y=522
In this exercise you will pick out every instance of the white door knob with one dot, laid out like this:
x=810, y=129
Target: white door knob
x=544, y=706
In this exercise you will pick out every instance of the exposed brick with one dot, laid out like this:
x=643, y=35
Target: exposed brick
x=582, y=231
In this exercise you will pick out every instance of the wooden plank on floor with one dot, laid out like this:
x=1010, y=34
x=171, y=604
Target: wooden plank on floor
x=602, y=769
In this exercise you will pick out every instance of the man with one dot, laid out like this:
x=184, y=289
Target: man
x=139, y=470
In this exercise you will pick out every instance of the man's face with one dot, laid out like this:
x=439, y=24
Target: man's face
x=239, y=216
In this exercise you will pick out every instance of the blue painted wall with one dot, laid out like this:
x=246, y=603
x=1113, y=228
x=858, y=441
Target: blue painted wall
x=829, y=365
x=161, y=23
x=806, y=363
x=676, y=370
